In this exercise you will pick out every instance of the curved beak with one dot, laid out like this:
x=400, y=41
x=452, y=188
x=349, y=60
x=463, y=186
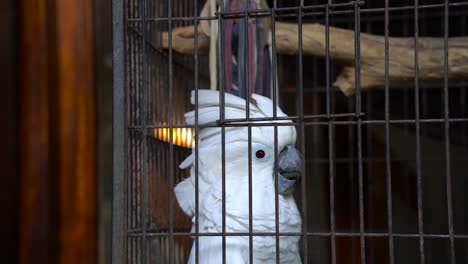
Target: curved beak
x=289, y=169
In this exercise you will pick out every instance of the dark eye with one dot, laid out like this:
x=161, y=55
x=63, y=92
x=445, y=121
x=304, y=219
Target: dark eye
x=260, y=154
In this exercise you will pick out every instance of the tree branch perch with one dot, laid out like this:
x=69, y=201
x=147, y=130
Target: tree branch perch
x=401, y=54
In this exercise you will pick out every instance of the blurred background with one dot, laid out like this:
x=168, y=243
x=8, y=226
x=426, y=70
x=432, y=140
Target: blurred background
x=56, y=136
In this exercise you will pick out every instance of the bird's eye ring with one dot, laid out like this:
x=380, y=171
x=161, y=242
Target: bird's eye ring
x=260, y=154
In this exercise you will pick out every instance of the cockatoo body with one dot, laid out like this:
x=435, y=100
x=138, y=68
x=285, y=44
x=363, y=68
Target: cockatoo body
x=237, y=183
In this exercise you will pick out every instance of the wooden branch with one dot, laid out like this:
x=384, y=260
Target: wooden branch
x=183, y=41
x=401, y=54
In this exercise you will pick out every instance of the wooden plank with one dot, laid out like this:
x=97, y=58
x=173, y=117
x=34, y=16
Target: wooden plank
x=75, y=131
x=35, y=235
x=58, y=207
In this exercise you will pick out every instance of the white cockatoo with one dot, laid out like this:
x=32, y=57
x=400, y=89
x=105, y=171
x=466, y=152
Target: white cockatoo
x=237, y=183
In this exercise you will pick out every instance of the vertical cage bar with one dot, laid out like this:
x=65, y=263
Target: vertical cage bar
x=273, y=71
x=144, y=121
x=277, y=256
x=221, y=82
x=448, y=172
x=388, y=162
x=351, y=177
x=418, y=134
x=327, y=58
x=247, y=117
x=171, y=135
x=119, y=155
x=463, y=94
x=249, y=137
x=423, y=29
x=407, y=105
x=462, y=26
x=302, y=127
x=196, y=72
x=331, y=146
x=246, y=60
x=369, y=162
x=407, y=92
x=275, y=102
x=357, y=49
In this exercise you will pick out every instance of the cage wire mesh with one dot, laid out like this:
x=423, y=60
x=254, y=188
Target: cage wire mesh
x=384, y=176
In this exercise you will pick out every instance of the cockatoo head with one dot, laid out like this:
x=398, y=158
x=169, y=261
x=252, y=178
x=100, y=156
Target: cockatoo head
x=263, y=139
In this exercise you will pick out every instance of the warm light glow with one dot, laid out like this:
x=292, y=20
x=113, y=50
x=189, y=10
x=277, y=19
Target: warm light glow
x=181, y=137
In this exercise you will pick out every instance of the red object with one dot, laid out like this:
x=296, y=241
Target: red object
x=260, y=154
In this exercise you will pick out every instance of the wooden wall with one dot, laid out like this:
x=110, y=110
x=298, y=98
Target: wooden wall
x=57, y=132
x=9, y=188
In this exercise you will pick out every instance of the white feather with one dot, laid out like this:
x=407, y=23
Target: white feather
x=211, y=114
x=207, y=98
x=266, y=106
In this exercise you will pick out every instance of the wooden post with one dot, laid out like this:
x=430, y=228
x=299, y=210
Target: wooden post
x=58, y=177
x=75, y=131
x=35, y=167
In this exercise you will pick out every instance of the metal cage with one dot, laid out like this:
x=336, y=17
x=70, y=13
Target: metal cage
x=384, y=170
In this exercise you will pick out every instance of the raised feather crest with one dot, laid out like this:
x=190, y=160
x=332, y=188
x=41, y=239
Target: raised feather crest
x=234, y=108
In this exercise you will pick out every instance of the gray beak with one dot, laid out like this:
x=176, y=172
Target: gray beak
x=289, y=169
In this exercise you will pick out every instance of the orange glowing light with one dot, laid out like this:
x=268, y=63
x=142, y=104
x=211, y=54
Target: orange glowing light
x=181, y=137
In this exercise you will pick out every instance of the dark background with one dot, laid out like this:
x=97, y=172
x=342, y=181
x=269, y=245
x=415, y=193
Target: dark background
x=9, y=156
